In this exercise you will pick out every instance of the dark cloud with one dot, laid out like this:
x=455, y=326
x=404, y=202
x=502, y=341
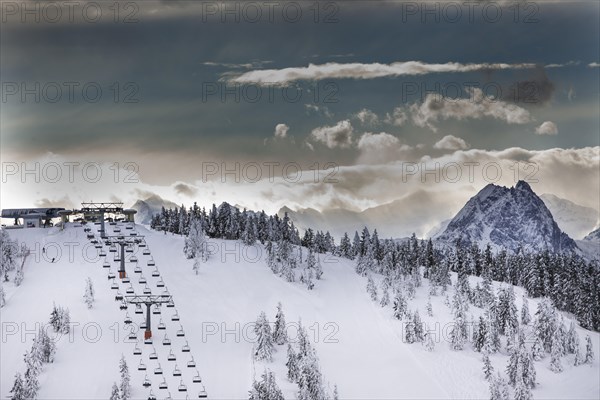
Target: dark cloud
x=184, y=189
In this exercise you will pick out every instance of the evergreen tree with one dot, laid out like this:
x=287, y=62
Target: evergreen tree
x=266, y=388
x=488, y=369
x=18, y=278
x=537, y=351
x=480, y=335
x=18, y=391
x=418, y=327
x=88, y=296
x=263, y=349
x=525, y=316
x=556, y=352
x=292, y=364
x=385, y=293
x=371, y=288
x=522, y=390
x=280, y=328
x=429, y=344
x=589, y=351
x=399, y=305
x=572, y=339
x=429, y=307
x=114, y=394
x=125, y=387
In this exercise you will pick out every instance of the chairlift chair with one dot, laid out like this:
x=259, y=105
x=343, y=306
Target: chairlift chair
x=191, y=363
x=180, y=332
x=182, y=387
x=175, y=316
x=133, y=259
x=142, y=244
x=116, y=230
x=114, y=285
x=151, y=262
x=130, y=290
x=156, y=309
x=146, y=382
x=106, y=264
x=137, y=269
x=102, y=253
x=153, y=355
x=166, y=341
x=132, y=336
x=142, y=280
x=127, y=319
x=171, y=304
x=128, y=227
x=197, y=378
x=138, y=309
x=171, y=356
x=112, y=248
x=129, y=249
x=147, y=290
x=185, y=348
x=126, y=280
x=146, y=252
x=158, y=370
x=143, y=324
x=156, y=274
x=151, y=396
x=148, y=340
x=163, y=384
x=202, y=394
x=137, y=351
x=98, y=245
x=160, y=283
x=162, y=325
x=141, y=366
x=176, y=371
x=133, y=234
x=111, y=275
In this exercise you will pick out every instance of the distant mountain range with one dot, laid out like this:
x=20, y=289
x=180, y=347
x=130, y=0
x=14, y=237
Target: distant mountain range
x=507, y=218
x=575, y=220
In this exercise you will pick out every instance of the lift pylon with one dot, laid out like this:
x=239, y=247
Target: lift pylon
x=148, y=300
x=123, y=241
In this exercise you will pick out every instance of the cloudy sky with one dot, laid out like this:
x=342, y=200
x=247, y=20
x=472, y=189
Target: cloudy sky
x=344, y=105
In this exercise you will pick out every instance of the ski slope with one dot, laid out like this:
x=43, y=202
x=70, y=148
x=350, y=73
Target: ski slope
x=359, y=344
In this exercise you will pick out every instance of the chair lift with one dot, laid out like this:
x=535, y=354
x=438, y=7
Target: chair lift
x=137, y=269
x=161, y=325
x=153, y=355
x=142, y=280
x=117, y=230
x=142, y=244
x=106, y=264
x=138, y=309
x=132, y=336
x=141, y=366
x=148, y=341
x=160, y=283
x=166, y=292
x=171, y=303
x=129, y=290
x=114, y=285
x=197, y=378
x=182, y=387
x=123, y=306
x=147, y=290
x=176, y=371
x=102, y=253
x=146, y=252
x=180, y=331
x=126, y=280
x=127, y=319
x=151, y=262
x=133, y=234
x=111, y=275
x=191, y=363
x=151, y=396
x=133, y=259
x=129, y=249
x=128, y=227
x=166, y=341
x=168, y=397
x=202, y=394
x=175, y=316
x=137, y=351
x=146, y=382
x=156, y=309
x=118, y=296
x=117, y=257
x=158, y=370
x=171, y=356
x=163, y=384
x=185, y=348
x=156, y=274
x=112, y=248
x=143, y=324
x=98, y=246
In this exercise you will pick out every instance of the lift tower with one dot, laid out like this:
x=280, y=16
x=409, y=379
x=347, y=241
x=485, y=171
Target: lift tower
x=101, y=209
x=148, y=300
x=123, y=241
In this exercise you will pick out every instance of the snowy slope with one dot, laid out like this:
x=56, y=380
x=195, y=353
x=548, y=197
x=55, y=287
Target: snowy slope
x=358, y=342
x=507, y=218
x=573, y=219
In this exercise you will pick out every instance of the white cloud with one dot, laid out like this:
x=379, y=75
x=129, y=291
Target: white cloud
x=594, y=65
x=547, y=128
x=281, y=131
x=363, y=71
x=397, y=118
x=339, y=135
x=367, y=117
x=476, y=106
x=377, y=141
x=313, y=108
x=450, y=142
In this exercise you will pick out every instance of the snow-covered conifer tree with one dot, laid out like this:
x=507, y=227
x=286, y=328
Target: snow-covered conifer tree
x=371, y=288
x=125, y=387
x=88, y=296
x=525, y=316
x=280, y=328
x=589, y=351
x=114, y=393
x=263, y=350
x=18, y=390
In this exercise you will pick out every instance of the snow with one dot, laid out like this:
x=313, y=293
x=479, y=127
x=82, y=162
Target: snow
x=359, y=344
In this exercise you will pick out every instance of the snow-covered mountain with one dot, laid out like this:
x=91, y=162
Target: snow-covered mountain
x=418, y=213
x=593, y=236
x=150, y=206
x=507, y=218
x=573, y=219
